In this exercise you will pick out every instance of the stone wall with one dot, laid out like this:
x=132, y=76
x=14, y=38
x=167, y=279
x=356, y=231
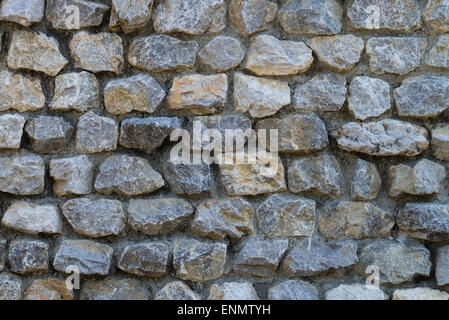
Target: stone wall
x=90, y=92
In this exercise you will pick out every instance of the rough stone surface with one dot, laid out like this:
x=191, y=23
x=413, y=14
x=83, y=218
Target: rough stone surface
x=233, y=291
x=10, y=287
x=20, y=93
x=366, y=181
x=355, y=292
x=436, y=15
x=420, y=294
x=438, y=56
x=11, y=130
x=440, y=143
x=48, y=289
x=28, y=256
x=251, y=16
x=130, y=15
x=442, y=266
x=95, y=133
x=3, y=243
x=113, y=289
x=176, y=290
x=24, y=12
x=222, y=53
x=22, y=175
x=188, y=179
x=145, y=259
x=72, y=176
x=293, y=290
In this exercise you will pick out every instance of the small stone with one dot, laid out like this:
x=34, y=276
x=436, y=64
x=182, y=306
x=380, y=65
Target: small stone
x=176, y=290
x=311, y=17
x=283, y=216
x=440, y=143
x=386, y=137
x=48, y=289
x=269, y=56
x=90, y=257
x=127, y=176
x=366, y=181
x=368, y=97
x=438, y=56
x=11, y=130
x=160, y=52
x=136, y=93
x=32, y=219
x=96, y=134
x=72, y=176
x=22, y=175
x=260, y=258
x=222, y=53
x=35, y=51
x=188, y=179
x=259, y=97
x=293, y=290
x=20, y=93
x=442, y=265
x=130, y=15
x=355, y=292
x=251, y=16
x=24, y=12
x=218, y=219
x=75, y=91
x=10, y=287
x=397, y=55
x=324, y=92
x=48, y=134
x=3, y=243
x=60, y=13
x=199, y=261
x=97, y=52
x=436, y=15
x=233, y=291
x=420, y=294
x=112, y=289
x=28, y=256
x=145, y=259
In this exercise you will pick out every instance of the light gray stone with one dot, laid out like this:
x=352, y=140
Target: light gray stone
x=130, y=15
x=436, y=15
x=113, y=289
x=222, y=53
x=63, y=14
x=176, y=290
x=438, y=56
x=420, y=294
x=96, y=134
x=10, y=287
x=28, y=256
x=145, y=259
x=24, y=12
x=188, y=179
x=251, y=16
x=293, y=290
x=22, y=175
x=442, y=265
x=11, y=131
x=440, y=143
x=72, y=176
x=355, y=292
x=233, y=291
x=3, y=243
x=366, y=181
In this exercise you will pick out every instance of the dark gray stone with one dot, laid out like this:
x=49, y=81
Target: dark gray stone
x=145, y=259
x=10, y=287
x=187, y=179
x=28, y=256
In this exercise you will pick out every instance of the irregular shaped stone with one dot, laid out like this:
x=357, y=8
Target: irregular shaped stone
x=442, y=265
x=422, y=293
x=397, y=55
x=269, y=56
x=438, y=56
x=48, y=289
x=366, y=181
x=139, y=93
x=96, y=134
x=368, y=97
x=160, y=52
x=222, y=53
x=218, y=219
x=145, y=259
x=97, y=52
x=251, y=16
x=176, y=290
x=355, y=292
x=436, y=15
x=199, y=261
x=11, y=130
x=72, y=176
x=283, y=216
x=60, y=13
x=90, y=257
x=28, y=256
x=128, y=176
x=293, y=290
x=20, y=93
x=35, y=51
x=10, y=287
x=112, y=289
x=311, y=17
x=386, y=137
x=312, y=257
x=24, y=12
x=3, y=243
x=130, y=15
x=158, y=216
x=187, y=179
x=22, y=175
x=32, y=219
x=48, y=134
x=324, y=92
x=440, y=143
x=233, y=291
x=259, y=97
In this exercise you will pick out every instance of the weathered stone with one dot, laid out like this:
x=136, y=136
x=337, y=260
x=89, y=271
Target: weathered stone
x=48, y=134
x=72, y=176
x=145, y=259
x=176, y=290
x=319, y=175
x=2, y=33
x=96, y=134
x=22, y=175
x=28, y=256
x=20, y=93
x=95, y=218
x=311, y=17
x=187, y=179
x=10, y=287
x=383, y=138
x=161, y=53
x=24, y=12
x=251, y=16
x=283, y=216
x=129, y=15
x=355, y=292
x=397, y=55
x=61, y=13
x=222, y=53
x=442, y=265
x=324, y=92
x=158, y=216
x=11, y=130
x=48, y=289
x=139, y=93
x=233, y=291
x=32, y=219
x=97, y=52
x=75, y=91
x=259, y=97
x=199, y=261
x=438, y=56
x=368, y=97
x=3, y=243
x=128, y=176
x=440, y=143
x=366, y=181
x=36, y=52
x=397, y=260
x=112, y=289
x=90, y=257
x=293, y=290
x=311, y=257
x=422, y=293
x=269, y=56
x=218, y=219
x=436, y=15
x=260, y=258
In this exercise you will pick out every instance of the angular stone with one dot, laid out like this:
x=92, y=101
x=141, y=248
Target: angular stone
x=90, y=257
x=440, y=143
x=438, y=56
x=355, y=292
x=311, y=17
x=127, y=176
x=422, y=293
x=397, y=55
x=145, y=259
x=436, y=15
x=97, y=52
x=32, y=219
x=312, y=257
x=188, y=179
x=139, y=93
x=96, y=134
x=48, y=289
x=176, y=290
x=60, y=14
x=112, y=289
x=10, y=287
x=160, y=52
x=269, y=56
x=251, y=16
x=3, y=243
x=293, y=290
x=199, y=261
x=130, y=15
x=24, y=12
x=324, y=92
x=22, y=175
x=368, y=97
x=158, y=216
x=35, y=51
x=366, y=181
x=283, y=216
x=222, y=53
x=259, y=97
x=72, y=176
x=20, y=93
x=11, y=130
x=442, y=265
x=233, y=291
x=218, y=219
x=28, y=256
x=386, y=137
x=48, y=134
